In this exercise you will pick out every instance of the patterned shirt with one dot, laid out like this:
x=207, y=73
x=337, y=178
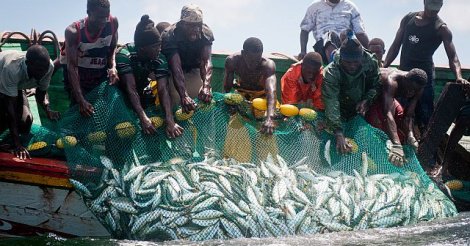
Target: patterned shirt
x=323, y=16
x=14, y=74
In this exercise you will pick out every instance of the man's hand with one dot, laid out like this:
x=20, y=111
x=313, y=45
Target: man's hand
x=173, y=130
x=301, y=56
x=466, y=85
x=268, y=126
x=21, y=152
x=52, y=115
x=396, y=155
x=113, y=76
x=362, y=107
x=413, y=142
x=86, y=109
x=205, y=94
x=342, y=146
x=188, y=104
x=147, y=126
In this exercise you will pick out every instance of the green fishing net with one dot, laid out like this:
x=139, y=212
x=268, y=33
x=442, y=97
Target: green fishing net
x=223, y=179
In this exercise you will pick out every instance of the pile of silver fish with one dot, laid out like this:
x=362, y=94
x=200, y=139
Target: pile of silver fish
x=223, y=199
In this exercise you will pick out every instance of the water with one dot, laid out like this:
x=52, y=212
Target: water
x=453, y=231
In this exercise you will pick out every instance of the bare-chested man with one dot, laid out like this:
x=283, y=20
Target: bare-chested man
x=396, y=119
x=255, y=77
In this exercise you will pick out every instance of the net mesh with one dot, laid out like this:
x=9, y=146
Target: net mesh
x=223, y=179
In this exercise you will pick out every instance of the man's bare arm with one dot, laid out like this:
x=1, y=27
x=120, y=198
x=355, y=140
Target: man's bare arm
x=112, y=71
x=390, y=87
x=206, y=74
x=178, y=79
x=395, y=47
x=454, y=63
x=71, y=47
x=229, y=73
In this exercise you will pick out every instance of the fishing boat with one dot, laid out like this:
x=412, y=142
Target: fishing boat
x=36, y=196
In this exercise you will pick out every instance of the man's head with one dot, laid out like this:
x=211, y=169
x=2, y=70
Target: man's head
x=311, y=64
x=37, y=61
x=161, y=26
x=351, y=53
x=416, y=79
x=432, y=7
x=147, y=39
x=252, y=52
x=98, y=12
x=377, y=46
x=191, y=22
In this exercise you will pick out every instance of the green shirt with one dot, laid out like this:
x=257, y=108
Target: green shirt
x=341, y=92
x=127, y=62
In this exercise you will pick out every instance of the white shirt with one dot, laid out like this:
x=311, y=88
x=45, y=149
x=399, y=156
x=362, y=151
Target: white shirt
x=323, y=16
x=14, y=74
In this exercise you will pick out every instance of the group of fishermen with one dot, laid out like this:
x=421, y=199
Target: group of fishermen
x=345, y=76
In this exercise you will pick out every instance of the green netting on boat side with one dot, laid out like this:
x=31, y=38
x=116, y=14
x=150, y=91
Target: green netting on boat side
x=223, y=179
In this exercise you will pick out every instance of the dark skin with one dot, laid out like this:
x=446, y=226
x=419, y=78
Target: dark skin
x=309, y=73
x=362, y=37
x=255, y=73
x=422, y=19
x=395, y=84
x=37, y=71
x=96, y=21
x=192, y=32
x=148, y=53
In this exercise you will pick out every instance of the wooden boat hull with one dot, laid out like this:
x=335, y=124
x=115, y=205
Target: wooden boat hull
x=37, y=198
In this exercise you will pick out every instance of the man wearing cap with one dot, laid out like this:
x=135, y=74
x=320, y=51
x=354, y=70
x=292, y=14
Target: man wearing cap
x=256, y=77
x=90, y=46
x=302, y=82
x=419, y=36
x=350, y=84
x=139, y=62
x=187, y=46
x=330, y=15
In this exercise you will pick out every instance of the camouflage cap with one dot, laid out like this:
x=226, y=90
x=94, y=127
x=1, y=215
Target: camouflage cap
x=191, y=13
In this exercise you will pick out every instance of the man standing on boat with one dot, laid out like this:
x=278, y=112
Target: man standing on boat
x=330, y=15
x=302, y=82
x=187, y=46
x=256, y=77
x=387, y=114
x=90, y=46
x=350, y=84
x=419, y=35
x=136, y=63
x=20, y=71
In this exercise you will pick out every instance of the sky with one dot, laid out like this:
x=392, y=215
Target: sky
x=275, y=22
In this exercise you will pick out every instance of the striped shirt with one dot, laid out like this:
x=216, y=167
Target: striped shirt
x=93, y=53
x=323, y=16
